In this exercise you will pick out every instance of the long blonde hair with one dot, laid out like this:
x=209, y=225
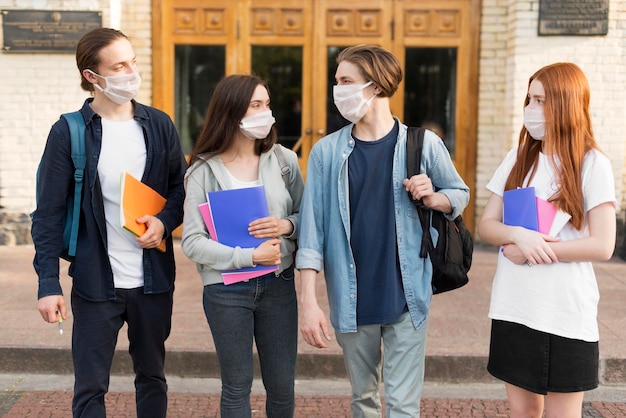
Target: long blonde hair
x=567, y=139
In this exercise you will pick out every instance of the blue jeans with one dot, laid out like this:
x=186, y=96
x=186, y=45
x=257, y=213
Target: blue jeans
x=263, y=309
x=403, y=367
x=94, y=336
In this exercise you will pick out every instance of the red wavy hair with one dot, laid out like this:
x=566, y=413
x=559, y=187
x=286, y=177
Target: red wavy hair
x=567, y=139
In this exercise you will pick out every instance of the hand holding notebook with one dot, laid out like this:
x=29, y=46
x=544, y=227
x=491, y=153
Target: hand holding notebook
x=139, y=199
x=227, y=215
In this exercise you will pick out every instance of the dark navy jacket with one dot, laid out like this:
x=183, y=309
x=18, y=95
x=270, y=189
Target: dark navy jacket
x=91, y=271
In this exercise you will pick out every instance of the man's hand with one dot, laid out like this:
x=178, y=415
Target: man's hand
x=314, y=325
x=154, y=232
x=51, y=307
x=419, y=186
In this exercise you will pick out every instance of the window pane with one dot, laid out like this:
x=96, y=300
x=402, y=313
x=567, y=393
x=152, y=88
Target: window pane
x=197, y=72
x=430, y=91
x=281, y=67
x=334, y=120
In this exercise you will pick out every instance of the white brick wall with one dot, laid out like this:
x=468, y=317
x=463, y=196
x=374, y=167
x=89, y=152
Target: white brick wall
x=511, y=26
x=35, y=88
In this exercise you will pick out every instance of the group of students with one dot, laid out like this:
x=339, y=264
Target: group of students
x=354, y=220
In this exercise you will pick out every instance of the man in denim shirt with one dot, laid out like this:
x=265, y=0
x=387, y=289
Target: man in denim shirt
x=117, y=277
x=358, y=224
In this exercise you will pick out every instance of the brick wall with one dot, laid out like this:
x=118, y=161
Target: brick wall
x=37, y=87
x=511, y=51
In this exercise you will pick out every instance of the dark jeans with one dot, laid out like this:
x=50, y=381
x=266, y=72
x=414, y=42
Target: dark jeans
x=263, y=309
x=94, y=336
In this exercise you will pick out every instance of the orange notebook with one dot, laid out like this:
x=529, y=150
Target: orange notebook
x=139, y=199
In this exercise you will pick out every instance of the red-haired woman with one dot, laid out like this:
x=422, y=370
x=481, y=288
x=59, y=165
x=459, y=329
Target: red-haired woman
x=544, y=335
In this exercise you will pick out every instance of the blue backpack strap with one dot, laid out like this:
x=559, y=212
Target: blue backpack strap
x=76, y=124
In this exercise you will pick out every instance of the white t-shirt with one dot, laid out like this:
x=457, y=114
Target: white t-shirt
x=123, y=149
x=559, y=298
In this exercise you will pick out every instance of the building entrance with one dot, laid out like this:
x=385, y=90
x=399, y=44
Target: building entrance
x=293, y=44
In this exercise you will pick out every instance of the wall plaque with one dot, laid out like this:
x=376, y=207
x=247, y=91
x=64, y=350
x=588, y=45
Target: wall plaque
x=573, y=17
x=46, y=30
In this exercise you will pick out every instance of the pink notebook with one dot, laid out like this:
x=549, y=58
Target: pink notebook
x=546, y=212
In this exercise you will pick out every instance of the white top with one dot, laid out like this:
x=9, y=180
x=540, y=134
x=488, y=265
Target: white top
x=123, y=149
x=559, y=298
x=240, y=184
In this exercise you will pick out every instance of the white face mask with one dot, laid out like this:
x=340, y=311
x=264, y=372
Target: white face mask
x=350, y=101
x=120, y=89
x=257, y=126
x=534, y=122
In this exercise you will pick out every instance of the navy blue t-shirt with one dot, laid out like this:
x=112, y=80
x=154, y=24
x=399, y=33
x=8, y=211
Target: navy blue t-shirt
x=380, y=295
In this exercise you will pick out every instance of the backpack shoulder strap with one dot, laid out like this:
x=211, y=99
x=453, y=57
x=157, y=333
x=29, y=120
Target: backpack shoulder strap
x=414, y=145
x=285, y=170
x=76, y=125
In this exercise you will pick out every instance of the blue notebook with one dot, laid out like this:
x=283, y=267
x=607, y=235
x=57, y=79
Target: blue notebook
x=520, y=208
x=227, y=215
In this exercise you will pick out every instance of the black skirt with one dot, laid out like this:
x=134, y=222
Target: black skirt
x=540, y=362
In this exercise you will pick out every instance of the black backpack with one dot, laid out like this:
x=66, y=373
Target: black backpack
x=452, y=256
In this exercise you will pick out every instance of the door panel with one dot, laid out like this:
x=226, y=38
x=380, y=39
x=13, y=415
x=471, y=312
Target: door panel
x=198, y=68
x=293, y=44
x=437, y=44
x=281, y=67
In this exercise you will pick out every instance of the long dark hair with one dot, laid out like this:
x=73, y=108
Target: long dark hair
x=227, y=107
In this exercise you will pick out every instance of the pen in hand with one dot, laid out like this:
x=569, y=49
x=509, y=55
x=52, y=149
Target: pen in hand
x=60, y=324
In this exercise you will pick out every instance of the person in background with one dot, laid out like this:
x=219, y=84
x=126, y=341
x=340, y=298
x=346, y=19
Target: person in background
x=117, y=278
x=544, y=332
x=358, y=225
x=237, y=148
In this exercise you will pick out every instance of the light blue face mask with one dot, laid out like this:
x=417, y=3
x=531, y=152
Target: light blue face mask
x=534, y=122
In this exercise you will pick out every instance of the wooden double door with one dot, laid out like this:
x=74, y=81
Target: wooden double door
x=293, y=44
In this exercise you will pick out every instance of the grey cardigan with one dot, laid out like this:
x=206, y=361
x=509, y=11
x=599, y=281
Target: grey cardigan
x=209, y=175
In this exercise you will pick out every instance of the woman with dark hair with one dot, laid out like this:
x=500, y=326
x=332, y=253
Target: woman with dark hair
x=237, y=148
x=544, y=335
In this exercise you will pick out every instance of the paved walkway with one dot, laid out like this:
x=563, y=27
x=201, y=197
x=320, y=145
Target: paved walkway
x=32, y=351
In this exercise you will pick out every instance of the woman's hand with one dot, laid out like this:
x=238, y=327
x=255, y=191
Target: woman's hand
x=530, y=247
x=270, y=227
x=268, y=253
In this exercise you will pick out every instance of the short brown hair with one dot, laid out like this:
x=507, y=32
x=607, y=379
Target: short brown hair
x=88, y=51
x=377, y=65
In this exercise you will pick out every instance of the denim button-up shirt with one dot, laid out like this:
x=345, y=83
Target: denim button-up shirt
x=91, y=270
x=324, y=237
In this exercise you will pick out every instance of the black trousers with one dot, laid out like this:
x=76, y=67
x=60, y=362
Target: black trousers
x=94, y=337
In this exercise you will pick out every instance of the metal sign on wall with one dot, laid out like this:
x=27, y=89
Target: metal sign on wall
x=46, y=30
x=573, y=17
